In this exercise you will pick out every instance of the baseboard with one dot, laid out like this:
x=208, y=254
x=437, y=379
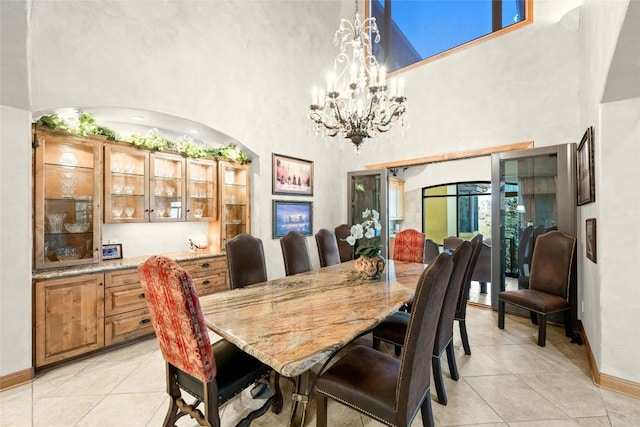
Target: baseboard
x=16, y=379
x=608, y=382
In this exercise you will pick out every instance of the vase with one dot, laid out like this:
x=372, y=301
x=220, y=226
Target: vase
x=370, y=268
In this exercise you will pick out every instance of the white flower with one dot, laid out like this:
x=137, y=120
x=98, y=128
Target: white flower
x=351, y=240
x=375, y=215
x=370, y=233
x=366, y=213
x=356, y=231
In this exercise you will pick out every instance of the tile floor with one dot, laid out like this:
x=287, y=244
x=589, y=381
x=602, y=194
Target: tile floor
x=507, y=381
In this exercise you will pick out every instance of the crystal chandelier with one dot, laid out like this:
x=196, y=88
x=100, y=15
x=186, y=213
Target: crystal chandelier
x=358, y=103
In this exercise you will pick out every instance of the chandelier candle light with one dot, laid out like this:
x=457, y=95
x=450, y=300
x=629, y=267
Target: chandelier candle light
x=358, y=103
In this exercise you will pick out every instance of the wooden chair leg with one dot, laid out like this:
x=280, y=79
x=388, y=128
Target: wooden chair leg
x=534, y=317
x=276, y=408
x=174, y=394
x=451, y=359
x=321, y=410
x=464, y=336
x=426, y=410
x=438, y=380
x=376, y=343
x=568, y=327
x=501, y=314
x=542, y=330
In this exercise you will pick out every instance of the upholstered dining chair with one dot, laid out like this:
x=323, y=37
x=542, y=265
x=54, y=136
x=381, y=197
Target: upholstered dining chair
x=548, y=292
x=461, y=308
x=393, y=329
x=245, y=261
x=211, y=374
x=451, y=243
x=328, y=251
x=409, y=246
x=431, y=251
x=295, y=253
x=347, y=252
x=380, y=386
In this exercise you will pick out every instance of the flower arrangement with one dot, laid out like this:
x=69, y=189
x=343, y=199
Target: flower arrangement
x=366, y=234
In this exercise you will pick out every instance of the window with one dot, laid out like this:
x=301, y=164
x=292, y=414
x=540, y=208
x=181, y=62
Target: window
x=413, y=31
x=462, y=209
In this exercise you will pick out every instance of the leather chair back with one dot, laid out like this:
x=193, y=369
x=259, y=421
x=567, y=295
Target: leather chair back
x=328, y=251
x=347, y=252
x=482, y=271
x=409, y=246
x=295, y=253
x=452, y=242
x=476, y=245
x=551, y=263
x=461, y=258
x=245, y=260
x=431, y=251
x=415, y=372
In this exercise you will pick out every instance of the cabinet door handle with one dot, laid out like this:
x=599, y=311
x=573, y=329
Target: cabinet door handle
x=205, y=265
x=206, y=282
x=144, y=321
x=141, y=296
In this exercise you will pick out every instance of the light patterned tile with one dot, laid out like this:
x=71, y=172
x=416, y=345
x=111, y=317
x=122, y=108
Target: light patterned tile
x=16, y=406
x=464, y=405
x=622, y=410
x=62, y=411
x=513, y=400
x=127, y=409
x=99, y=378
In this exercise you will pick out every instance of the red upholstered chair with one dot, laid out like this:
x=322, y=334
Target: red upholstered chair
x=380, y=386
x=409, y=246
x=211, y=374
x=548, y=292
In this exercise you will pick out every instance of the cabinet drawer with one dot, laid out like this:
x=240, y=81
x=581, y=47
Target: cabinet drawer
x=120, y=299
x=204, y=267
x=121, y=277
x=124, y=327
x=210, y=284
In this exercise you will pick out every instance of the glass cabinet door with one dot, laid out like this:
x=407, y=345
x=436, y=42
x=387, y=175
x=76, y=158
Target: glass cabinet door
x=126, y=174
x=67, y=228
x=166, y=188
x=201, y=190
x=234, y=195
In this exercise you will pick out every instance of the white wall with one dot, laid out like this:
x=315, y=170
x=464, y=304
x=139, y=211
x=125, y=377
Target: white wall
x=15, y=240
x=618, y=239
x=609, y=289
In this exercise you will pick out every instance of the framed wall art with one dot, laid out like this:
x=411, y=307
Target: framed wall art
x=590, y=238
x=585, y=169
x=112, y=251
x=291, y=215
x=292, y=176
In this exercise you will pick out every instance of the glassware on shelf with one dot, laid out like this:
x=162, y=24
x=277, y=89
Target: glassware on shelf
x=160, y=211
x=68, y=253
x=68, y=185
x=170, y=191
x=130, y=168
x=129, y=211
x=89, y=248
x=129, y=188
x=117, y=211
x=158, y=190
x=55, y=221
x=117, y=188
x=68, y=159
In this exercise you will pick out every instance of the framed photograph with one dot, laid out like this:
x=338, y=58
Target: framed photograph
x=586, y=183
x=292, y=215
x=112, y=251
x=292, y=176
x=590, y=237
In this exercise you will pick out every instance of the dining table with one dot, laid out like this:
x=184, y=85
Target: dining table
x=296, y=322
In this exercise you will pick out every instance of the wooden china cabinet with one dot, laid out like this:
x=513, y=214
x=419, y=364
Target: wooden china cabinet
x=67, y=200
x=80, y=183
x=234, y=200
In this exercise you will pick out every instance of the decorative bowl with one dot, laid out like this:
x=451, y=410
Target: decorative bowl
x=68, y=253
x=77, y=227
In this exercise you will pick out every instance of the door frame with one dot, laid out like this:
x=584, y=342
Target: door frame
x=566, y=205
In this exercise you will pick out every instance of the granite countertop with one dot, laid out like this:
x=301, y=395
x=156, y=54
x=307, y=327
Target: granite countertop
x=118, y=264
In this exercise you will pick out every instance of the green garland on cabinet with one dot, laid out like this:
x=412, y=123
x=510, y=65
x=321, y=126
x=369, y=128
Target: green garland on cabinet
x=152, y=141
